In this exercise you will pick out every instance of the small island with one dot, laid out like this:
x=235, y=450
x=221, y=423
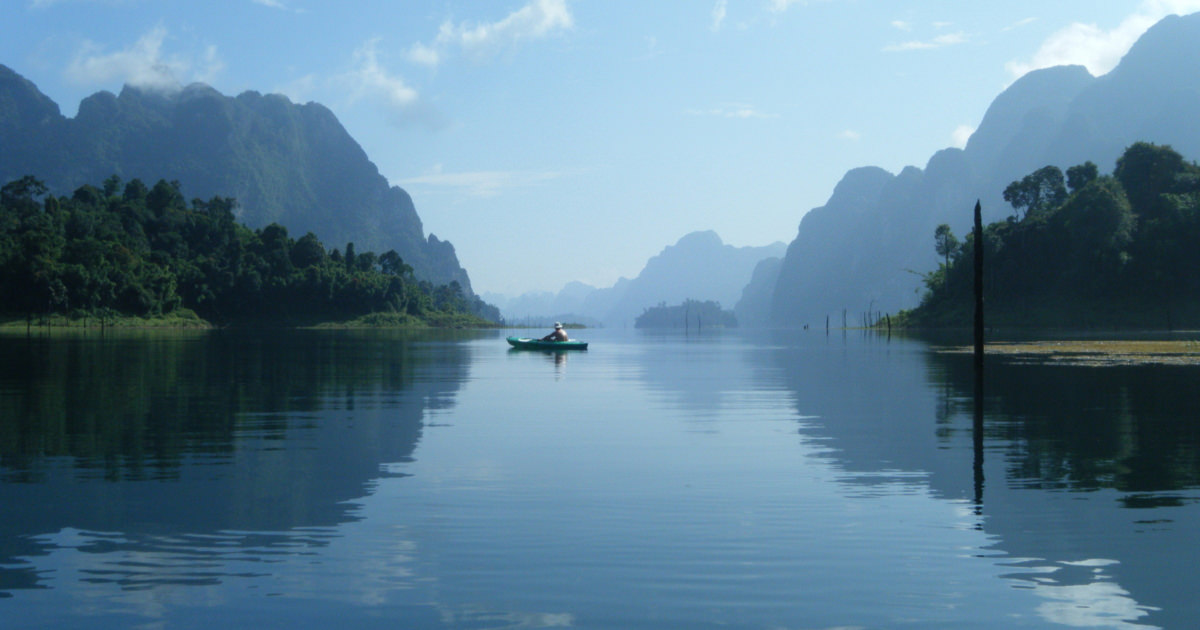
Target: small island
x=690, y=314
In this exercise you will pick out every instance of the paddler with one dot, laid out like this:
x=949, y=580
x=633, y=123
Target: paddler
x=559, y=334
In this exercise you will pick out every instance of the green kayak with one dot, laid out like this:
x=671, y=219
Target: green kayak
x=538, y=344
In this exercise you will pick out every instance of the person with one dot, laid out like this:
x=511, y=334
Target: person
x=559, y=334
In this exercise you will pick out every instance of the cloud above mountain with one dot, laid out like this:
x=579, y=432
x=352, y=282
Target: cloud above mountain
x=1094, y=48
x=143, y=64
x=538, y=19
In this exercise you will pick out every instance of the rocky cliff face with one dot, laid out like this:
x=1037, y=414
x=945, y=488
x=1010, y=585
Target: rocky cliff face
x=284, y=162
x=864, y=249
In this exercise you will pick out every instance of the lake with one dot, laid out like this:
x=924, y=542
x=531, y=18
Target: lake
x=785, y=479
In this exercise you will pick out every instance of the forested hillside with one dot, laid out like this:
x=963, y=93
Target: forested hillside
x=125, y=249
x=287, y=163
x=1082, y=249
x=863, y=249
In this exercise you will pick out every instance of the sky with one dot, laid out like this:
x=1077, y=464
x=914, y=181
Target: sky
x=571, y=140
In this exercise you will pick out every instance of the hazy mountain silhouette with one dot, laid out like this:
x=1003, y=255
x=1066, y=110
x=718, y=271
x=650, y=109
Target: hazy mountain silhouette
x=700, y=266
x=754, y=309
x=284, y=162
x=865, y=248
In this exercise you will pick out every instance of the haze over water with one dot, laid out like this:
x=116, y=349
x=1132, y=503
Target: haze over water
x=775, y=480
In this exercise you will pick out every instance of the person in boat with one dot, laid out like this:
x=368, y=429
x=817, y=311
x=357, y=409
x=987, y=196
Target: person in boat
x=559, y=334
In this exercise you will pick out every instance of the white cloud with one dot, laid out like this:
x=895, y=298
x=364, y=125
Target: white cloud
x=850, y=134
x=902, y=25
x=718, y=15
x=142, y=65
x=539, y=18
x=210, y=67
x=1019, y=23
x=949, y=39
x=278, y=4
x=424, y=55
x=960, y=136
x=299, y=90
x=1097, y=49
x=653, y=49
x=779, y=6
x=732, y=110
x=479, y=183
x=371, y=80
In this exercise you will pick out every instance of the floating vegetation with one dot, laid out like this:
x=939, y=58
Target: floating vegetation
x=1093, y=352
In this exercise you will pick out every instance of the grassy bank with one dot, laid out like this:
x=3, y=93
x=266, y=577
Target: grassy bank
x=185, y=318
x=439, y=320
x=180, y=318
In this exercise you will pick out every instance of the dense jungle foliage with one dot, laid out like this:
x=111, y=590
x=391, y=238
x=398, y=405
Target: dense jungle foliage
x=690, y=314
x=125, y=249
x=1084, y=250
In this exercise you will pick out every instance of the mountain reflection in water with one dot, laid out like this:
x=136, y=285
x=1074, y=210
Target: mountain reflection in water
x=754, y=480
x=249, y=429
x=1085, y=466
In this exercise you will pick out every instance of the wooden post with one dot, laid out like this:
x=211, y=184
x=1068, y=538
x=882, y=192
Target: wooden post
x=977, y=424
x=977, y=441
x=978, y=290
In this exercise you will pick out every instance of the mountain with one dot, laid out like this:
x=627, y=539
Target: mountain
x=697, y=267
x=754, y=308
x=867, y=246
x=700, y=266
x=284, y=162
x=543, y=307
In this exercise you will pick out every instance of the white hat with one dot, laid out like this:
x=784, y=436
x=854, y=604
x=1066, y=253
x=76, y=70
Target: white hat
x=557, y=325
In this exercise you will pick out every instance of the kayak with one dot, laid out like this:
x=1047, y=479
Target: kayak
x=538, y=344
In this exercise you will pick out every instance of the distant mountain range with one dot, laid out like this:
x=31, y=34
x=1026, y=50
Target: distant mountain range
x=284, y=162
x=700, y=266
x=865, y=248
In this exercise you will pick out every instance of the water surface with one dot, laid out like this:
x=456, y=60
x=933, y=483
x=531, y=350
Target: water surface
x=309, y=479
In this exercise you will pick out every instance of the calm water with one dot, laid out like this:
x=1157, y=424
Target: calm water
x=387, y=480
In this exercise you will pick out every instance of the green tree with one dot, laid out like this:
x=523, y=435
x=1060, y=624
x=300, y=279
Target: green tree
x=135, y=190
x=1099, y=225
x=22, y=193
x=392, y=264
x=308, y=252
x=146, y=253
x=1081, y=175
x=1148, y=171
x=112, y=185
x=945, y=243
x=163, y=197
x=1037, y=192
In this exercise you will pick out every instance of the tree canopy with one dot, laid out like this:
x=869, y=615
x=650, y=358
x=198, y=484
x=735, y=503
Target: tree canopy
x=1116, y=250
x=132, y=250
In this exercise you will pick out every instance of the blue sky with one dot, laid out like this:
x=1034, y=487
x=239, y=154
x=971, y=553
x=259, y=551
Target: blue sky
x=560, y=140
